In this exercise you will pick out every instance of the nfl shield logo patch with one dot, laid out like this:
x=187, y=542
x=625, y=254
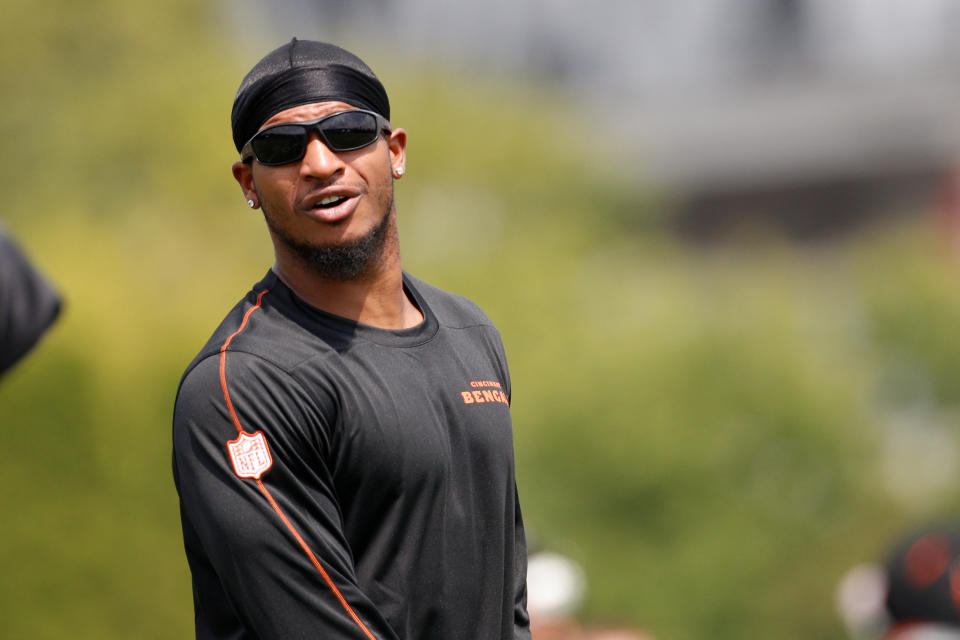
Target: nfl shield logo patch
x=250, y=455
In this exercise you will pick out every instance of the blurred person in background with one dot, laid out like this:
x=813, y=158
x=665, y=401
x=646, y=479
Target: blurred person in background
x=914, y=596
x=343, y=448
x=28, y=303
x=556, y=586
x=555, y=590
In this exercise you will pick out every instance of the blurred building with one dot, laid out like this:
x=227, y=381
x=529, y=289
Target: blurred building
x=816, y=114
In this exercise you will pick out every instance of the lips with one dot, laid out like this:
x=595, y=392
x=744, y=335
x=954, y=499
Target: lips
x=331, y=206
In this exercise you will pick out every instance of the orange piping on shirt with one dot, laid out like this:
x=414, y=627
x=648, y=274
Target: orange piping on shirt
x=223, y=361
x=273, y=503
x=316, y=563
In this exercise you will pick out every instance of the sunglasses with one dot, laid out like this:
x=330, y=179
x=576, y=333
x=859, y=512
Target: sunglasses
x=287, y=142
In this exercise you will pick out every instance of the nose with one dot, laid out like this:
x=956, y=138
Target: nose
x=319, y=161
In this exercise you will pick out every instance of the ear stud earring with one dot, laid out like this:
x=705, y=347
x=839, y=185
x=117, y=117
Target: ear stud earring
x=251, y=203
x=398, y=171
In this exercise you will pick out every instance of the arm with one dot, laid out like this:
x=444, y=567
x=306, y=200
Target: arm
x=521, y=620
x=267, y=554
x=28, y=305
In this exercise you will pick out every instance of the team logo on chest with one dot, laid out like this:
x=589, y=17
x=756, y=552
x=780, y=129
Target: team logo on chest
x=482, y=391
x=250, y=455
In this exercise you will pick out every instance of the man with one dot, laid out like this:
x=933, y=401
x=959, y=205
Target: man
x=342, y=445
x=913, y=595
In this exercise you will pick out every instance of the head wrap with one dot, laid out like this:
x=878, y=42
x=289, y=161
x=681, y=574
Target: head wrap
x=303, y=72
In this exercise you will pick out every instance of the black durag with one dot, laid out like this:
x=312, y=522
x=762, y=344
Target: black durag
x=303, y=72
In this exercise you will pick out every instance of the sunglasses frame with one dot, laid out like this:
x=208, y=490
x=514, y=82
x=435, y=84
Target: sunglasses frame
x=247, y=154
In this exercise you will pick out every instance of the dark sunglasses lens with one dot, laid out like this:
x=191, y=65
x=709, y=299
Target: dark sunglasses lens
x=349, y=130
x=280, y=145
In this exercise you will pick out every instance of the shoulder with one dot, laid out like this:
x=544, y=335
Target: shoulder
x=258, y=349
x=238, y=378
x=216, y=374
x=452, y=310
x=223, y=393
x=459, y=313
x=262, y=325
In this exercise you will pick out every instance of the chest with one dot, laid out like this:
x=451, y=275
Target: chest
x=421, y=418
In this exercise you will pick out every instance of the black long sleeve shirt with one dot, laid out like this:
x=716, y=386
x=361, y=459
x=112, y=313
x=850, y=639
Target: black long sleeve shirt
x=342, y=481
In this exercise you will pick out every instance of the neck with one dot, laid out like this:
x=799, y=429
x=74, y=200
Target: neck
x=376, y=298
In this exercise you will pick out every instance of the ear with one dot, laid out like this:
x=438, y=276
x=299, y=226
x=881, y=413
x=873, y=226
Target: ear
x=243, y=174
x=397, y=143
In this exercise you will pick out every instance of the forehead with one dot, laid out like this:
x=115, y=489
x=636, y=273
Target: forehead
x=304, y=112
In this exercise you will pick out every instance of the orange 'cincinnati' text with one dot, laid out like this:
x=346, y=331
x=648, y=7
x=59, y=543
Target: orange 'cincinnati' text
x=476, y=384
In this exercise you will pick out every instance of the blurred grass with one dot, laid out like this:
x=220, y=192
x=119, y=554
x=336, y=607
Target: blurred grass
x=699, y=429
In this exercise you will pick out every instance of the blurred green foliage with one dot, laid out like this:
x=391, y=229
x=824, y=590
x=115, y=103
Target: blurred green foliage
x=701, y=430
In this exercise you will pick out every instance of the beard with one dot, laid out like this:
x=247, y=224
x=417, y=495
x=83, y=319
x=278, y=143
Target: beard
x=343, y=262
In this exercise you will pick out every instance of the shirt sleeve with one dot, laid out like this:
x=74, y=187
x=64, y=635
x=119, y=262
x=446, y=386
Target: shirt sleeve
x=28, y=304
x=268, y=555
x=521, y=619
